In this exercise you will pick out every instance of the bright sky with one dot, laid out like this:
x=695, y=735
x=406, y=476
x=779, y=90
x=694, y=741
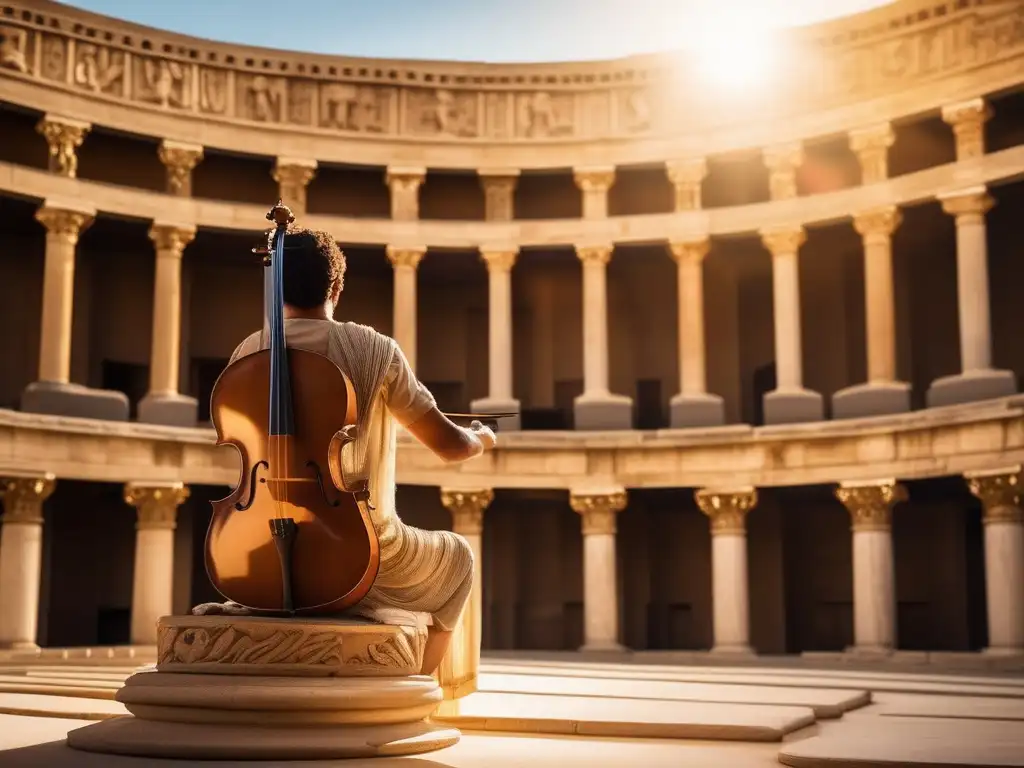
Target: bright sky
x=474, y=30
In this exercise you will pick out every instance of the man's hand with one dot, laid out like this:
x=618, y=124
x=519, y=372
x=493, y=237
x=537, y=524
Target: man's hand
x=484, y=434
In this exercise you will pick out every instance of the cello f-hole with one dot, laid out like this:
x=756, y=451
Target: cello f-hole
x=320, y=483
x=252, y=486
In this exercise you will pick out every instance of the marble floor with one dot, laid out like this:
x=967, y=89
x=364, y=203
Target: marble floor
x=577, y=711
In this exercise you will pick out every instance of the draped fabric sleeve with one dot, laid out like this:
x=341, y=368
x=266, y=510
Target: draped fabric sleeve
x=249, y=345
x=405, y=395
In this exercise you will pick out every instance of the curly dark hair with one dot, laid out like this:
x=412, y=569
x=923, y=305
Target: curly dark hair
x=313, y=265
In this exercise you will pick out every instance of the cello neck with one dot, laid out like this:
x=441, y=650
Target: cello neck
x=282, y=416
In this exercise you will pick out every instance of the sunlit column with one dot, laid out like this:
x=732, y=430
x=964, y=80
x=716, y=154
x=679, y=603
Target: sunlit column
x=727, y=511
x=598, y=513
x=499, y=332
x=870, y=505
x=404, y=261
x=882, y=393
x=63, y=137
x=404, y=184
x=871, y=145
x=978, y=380
x=21, y=558
x=692, y=406
x=163, y=404
x=293, y=176
x=594, y=184
x=597, y=408
x=1000, y=494
x=686, y=177
x=783, y=161
x=179, y=158
x=790, y=401
x=153, y=579
x=499, y=191
x=968, y=118
x=461, y=664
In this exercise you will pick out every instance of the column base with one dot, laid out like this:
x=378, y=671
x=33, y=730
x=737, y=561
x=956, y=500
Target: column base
x=793, y=406
x=603, y=411
x=737, y=651
x=60, y=399
x=19, y=646
x=971, y=387
x=868, y=652
x=602, y=647
x=170, y=409
x=1003, y=651
x=696, y=410
x=497, y=405
x=871, y=399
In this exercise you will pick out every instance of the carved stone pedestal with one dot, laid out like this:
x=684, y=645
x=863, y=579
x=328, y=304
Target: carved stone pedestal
x=243, y=688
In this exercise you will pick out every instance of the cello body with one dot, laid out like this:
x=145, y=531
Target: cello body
x=288, y=539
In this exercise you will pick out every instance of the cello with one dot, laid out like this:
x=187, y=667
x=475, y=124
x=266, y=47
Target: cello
x=292, y=537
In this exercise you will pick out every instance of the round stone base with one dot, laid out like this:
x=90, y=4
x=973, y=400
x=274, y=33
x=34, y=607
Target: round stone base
x=204, y=716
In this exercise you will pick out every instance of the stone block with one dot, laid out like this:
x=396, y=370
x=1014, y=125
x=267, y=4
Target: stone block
x=596, y=413
x=172, y=410
x=58, y=399
x=793, y=406
x=872, y=399
x=971, y=387
x=696, y=410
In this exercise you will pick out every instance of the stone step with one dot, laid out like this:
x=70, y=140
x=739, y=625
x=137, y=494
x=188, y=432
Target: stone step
x=36, y=705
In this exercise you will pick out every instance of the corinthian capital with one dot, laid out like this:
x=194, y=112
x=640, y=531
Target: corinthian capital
x=293, y=176
x=156, y=505
x=170, y=240
x=598, y=510
x=782, y=162
x=23, y=498
x=594, y=254
x=63, y=136
x=686, y=176
x=499, y=259
x=871, y=145
x=499, y=190
x=690, y=251
x=968, y=120
x=877, y=223
x=784, y=241
x=467, y=509
x=1000, y=493
x=180, y=159
x=870, y=502
x=967, y=204
x=63, y=223
x=407, y=257
x=596, y=179
x=727, y=510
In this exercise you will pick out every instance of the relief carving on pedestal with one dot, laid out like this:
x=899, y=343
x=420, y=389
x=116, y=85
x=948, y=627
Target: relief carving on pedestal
x=99, y=69
x=236, y=644
x=14, y=52
x=163, y=82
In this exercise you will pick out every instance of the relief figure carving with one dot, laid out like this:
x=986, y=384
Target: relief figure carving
x=229, y=644
x=262, y=98
x=213, y=91
x=540, y=115
x=98, y=68
x=454, y=114
x=351, y=107
x=14, y=48
x=301, y=100
x=54, y=61
x=163, y=82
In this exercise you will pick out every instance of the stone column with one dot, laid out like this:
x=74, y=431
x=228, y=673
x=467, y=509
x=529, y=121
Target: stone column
x=693, y=406
x=404, y=184
x=499, y=190
x=63, y=136
x=600, y=579
x=871, y=145
x=790, y=401
x=163, y=404
x=405, y=261
x=594, y=183
x=153, y=576
x=978, y=380
x=968, y=118
x=782, y=162
x=870, y=506
x=180, y=159
x=53, y=392
x=597, y=408
x=21, y=559
x=499, y=336
x=686, y=177
x=293, y=176
x=882, y=393
x=727, y=510
x=461, y=664
x=1000, y=494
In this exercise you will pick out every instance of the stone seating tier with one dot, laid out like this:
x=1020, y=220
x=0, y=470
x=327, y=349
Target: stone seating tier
x=233, y=687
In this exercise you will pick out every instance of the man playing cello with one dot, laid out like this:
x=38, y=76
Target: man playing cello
x=421, y=571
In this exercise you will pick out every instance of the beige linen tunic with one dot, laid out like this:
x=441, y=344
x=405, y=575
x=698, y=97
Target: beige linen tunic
x=424, y=571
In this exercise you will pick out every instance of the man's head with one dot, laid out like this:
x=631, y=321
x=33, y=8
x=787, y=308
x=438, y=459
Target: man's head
x=314, y=270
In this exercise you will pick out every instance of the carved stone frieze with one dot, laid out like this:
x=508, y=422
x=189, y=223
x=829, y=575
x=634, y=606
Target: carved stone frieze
x=63, y=136
x=99, y=69
x=156, y=505
x=357, y=108
x=726, y=509
x=180, y=159
x=467, y=509
x=53, y=58
x=23, y=498
x=598, y=510
x=870, y=503
x=543, y=115
x=164, y=82
x=14, y=51
x=1000, y=494
x=442, y=112
x=266, y=646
